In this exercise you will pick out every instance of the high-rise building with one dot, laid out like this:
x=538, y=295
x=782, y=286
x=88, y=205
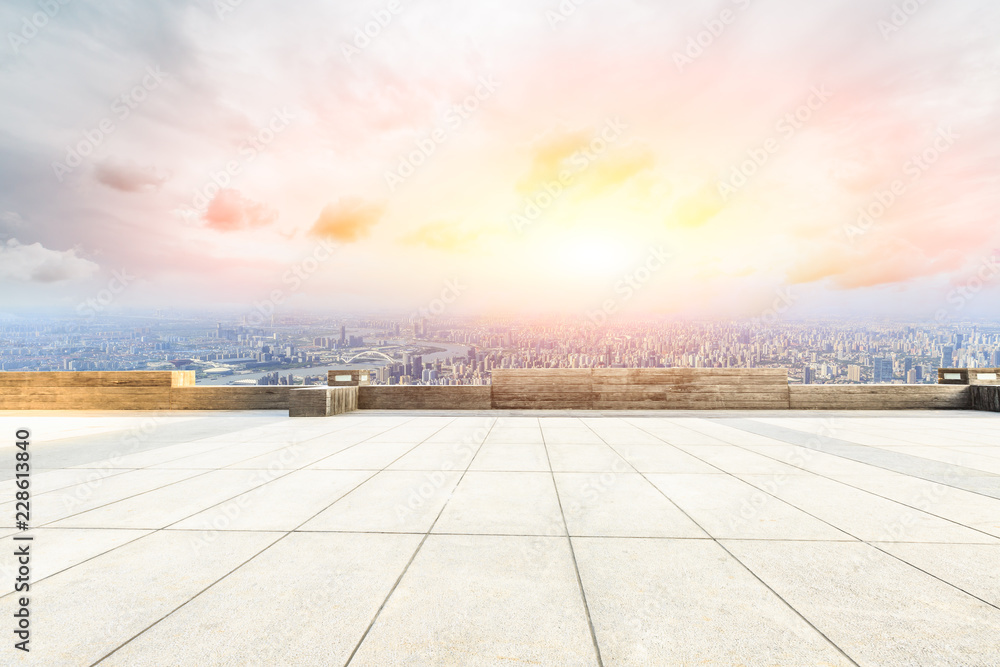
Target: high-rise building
x=911, y=376
x=947, y=356
x=881, y=370
x=808, y=375
x=343, y=334
x=854, y=373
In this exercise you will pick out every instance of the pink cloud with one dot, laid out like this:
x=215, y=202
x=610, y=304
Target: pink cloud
x=230, y=211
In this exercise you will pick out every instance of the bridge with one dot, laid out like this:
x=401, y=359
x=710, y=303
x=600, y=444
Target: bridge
x=373, y=355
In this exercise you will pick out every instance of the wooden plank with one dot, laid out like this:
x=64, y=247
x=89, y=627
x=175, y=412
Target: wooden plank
x=87, y=379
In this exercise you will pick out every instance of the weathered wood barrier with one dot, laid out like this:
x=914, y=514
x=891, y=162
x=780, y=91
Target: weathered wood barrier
x=641, y=389
x=563, y=389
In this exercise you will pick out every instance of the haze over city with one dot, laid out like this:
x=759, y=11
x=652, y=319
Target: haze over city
x=692, y=160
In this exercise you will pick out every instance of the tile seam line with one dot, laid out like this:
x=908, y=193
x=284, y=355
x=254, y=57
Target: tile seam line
x=185, y=479
x=224, y=576
x=742, y=564
x=877, y=495
x=152, y=531
x=875, y=543
x=423, y=540
x=793, y=444
x=150, y=467
x=572, y=553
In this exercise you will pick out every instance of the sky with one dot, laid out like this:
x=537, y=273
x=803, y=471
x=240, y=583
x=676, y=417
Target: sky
x=590, y=159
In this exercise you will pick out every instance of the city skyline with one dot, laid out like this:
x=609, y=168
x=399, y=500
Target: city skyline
x=553, y=158
x=448, y=350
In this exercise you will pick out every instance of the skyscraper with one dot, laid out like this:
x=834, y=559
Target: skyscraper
x=808, y=375
x=947, y=356
x=881, y=370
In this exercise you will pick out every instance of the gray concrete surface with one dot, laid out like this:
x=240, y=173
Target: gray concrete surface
x=506, y=538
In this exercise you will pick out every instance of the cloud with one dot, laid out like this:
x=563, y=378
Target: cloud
x=129, y=176
x=550, y=156
x=697, y=209
x=230, y=211
x=881, y=262
x=9, y=222
x=348, y=220
x=441, y=236
x=37, y=264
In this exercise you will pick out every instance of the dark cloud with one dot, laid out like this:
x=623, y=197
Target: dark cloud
x=129, y=176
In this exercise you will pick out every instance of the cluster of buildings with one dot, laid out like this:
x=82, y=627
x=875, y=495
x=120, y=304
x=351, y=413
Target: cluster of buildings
x=466, y=351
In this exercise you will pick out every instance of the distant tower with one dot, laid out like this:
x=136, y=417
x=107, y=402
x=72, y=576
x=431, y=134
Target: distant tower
x=947, y=356
x=882, y=370
x=343, y=334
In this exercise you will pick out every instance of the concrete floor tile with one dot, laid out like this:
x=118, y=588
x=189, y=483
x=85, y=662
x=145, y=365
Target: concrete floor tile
x=586, y=458
x=728, y=507
x=55, y=549
x=364, y=456
x=662, y=458
x=498, y=457
x=510, y=435
x=437, y=456
x=483, y=600
x=95, y=607
x=571, y=436
x=861, y=514
x=280, y=505
x=688, y=602
x=508, y=503
x=974, y=568
x=166, y=505
x=879, y=610
x=330, y=587
x=620, y=505
x=391, y=501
